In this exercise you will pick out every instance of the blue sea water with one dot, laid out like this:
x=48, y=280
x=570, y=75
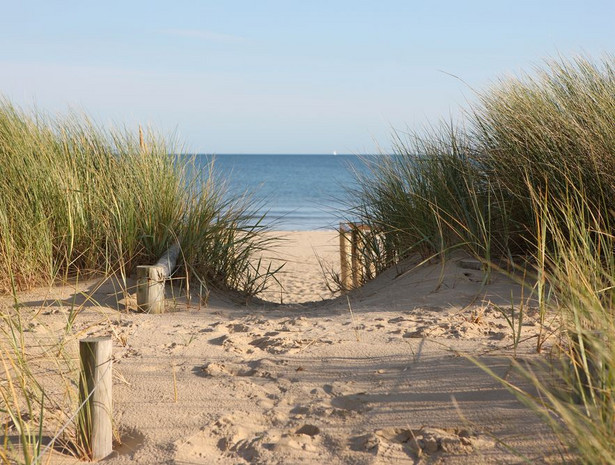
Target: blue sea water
x=298, y=192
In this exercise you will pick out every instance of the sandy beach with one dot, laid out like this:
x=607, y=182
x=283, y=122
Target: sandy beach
x=308, y=257
x=375, y=376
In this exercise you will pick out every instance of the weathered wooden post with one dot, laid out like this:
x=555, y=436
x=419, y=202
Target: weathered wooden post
x=368, y=240
x=95, y=386
x=151, y=281
x=345, y=246
x=150, y=289
x=359, y=253
x=354, y=257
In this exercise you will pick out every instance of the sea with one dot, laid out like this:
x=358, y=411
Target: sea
x=295, y=192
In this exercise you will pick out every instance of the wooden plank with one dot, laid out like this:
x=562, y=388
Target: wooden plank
x=95, y=394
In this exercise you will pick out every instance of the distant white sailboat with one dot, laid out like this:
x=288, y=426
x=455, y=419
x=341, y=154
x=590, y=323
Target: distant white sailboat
x=334, y=152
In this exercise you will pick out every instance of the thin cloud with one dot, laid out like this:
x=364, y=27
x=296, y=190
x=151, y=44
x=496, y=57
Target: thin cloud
x=205, y=35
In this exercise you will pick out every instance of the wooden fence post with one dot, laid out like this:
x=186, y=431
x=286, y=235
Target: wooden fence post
x=365, y=243
x=151, y=281
x=354, y=257
x=345, y=246
x=150, y=288
x=95, y=386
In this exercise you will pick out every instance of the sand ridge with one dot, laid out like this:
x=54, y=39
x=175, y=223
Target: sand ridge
x=376, y=376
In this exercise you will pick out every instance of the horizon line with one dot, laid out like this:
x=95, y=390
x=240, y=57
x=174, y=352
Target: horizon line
x=283, y=153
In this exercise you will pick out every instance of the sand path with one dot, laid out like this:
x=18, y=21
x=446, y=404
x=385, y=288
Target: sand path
x=316, y=383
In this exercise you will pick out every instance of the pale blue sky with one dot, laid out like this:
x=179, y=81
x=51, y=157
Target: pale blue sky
x=281, y=76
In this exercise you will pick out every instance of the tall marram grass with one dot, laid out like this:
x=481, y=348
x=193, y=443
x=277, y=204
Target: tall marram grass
x=76, y=199
x=578, y=402
x=527, y=176
x=471, y=185
x=430, y=196
x=543, y=132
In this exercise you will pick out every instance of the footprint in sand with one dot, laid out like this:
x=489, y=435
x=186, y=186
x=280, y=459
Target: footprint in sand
x=238, y=328
x=262, y=368
x=243, y=437
x=400, y=442
x=342, y=399
x=325, y=413
x=357, y=402
x=308, y=430
x=215, y=369
x=273, y=343
x=226, y=437
x=229, y=344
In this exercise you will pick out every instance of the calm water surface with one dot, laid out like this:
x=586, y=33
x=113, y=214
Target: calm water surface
x=298, y=192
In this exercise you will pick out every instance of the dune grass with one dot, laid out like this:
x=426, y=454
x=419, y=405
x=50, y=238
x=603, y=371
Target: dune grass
x=577, y=399
x=430, y=196
x=528, y=179
x=78, y=201
x=471, y=185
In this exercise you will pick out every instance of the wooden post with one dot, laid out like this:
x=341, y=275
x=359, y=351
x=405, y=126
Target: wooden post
x=150, y=289
x=151, y=280
x=365, y=265
x=345, y=243
x=95, y=385
x=376, y=246
x=354, y=257
x=359, y=254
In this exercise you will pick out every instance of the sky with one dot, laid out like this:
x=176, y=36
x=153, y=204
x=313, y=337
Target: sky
x=282, y=76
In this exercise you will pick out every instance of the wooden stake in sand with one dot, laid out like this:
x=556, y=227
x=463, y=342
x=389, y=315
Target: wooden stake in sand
x=353, y=257
x=357, y=277
x=346, y=255
x=95, y=418
x=151, y=280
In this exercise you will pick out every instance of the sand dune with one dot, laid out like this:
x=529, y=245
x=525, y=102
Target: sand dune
x=377, y=376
